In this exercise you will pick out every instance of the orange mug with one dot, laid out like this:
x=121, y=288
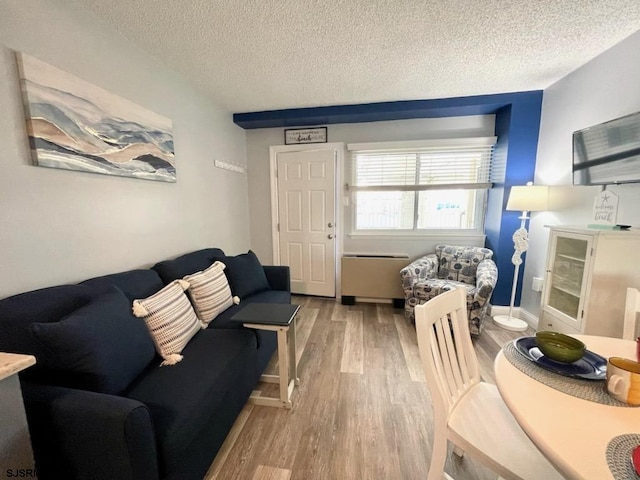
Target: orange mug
x=623, y=380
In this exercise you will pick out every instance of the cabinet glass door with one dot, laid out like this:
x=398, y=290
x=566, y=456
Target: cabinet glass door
x=567, y=274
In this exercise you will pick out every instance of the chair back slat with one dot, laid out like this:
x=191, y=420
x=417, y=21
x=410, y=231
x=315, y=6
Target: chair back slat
x=440, y=372
x=449, y=355
x=444, y=342
x=466, y=369
x=631, y=309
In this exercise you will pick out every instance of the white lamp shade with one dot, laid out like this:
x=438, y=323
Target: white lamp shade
x=529, y=198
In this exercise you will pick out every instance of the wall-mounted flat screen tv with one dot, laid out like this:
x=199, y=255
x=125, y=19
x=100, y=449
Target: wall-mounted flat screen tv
x=608, y=153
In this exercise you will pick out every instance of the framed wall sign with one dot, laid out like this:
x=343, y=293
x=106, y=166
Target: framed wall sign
x=294, y=136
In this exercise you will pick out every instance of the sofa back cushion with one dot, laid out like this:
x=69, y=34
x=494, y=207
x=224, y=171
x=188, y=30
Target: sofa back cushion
x=43, y=305
x=460, y=263
x=101, y=347
x=133, y=283
x=246, y=275
x=177, y=268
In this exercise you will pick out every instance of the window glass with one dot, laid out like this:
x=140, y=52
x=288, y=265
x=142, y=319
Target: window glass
x=446, y=209
x=384, y=210
x=439, y=187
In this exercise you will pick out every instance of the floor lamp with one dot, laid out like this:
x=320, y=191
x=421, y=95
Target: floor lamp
x=529, y=198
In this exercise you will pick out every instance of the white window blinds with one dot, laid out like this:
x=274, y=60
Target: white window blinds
x=425, y=165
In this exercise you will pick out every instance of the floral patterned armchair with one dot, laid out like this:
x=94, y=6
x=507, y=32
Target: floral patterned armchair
x=469, y=267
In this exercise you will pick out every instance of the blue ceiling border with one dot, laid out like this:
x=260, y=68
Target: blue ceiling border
x=383, y=111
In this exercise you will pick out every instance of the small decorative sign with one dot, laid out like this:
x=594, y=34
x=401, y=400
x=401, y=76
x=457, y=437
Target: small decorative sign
x=605, y=209
x=294, y=136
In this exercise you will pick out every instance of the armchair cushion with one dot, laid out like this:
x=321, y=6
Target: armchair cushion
x=460, y=263
x=435, y=287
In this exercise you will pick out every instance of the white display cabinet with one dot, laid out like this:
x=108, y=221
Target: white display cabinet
x=587, y=275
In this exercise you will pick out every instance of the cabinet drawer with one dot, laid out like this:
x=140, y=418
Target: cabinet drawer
x=549, y=322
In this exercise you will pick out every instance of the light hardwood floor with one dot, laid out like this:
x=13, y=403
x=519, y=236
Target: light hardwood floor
x=362, y=410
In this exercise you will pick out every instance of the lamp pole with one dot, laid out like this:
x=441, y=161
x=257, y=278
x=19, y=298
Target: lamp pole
x=525, y=199
x=521, y=243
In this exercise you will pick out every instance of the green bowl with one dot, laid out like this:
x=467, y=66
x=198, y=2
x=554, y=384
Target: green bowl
x=560, y=347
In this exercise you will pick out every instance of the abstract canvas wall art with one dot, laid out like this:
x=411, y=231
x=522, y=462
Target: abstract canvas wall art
x=75, y=125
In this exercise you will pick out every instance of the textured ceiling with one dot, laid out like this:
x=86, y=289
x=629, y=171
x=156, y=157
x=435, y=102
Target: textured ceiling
x=252, y=55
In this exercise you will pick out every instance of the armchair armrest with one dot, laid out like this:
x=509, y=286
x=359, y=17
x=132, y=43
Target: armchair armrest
x=423, y=268
x=81, y=434
x=486, y=279
x=278, y=276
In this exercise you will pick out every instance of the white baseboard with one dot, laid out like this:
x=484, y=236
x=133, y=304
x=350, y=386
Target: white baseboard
x=518, y=312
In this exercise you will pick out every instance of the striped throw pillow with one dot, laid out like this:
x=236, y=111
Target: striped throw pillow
x=209, y=292
x=170, y=319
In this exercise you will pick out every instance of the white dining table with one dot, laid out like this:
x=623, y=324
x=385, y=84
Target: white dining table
x=571, y=432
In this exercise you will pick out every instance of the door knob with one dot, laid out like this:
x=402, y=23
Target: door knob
x=330, y=236
x=330, y=225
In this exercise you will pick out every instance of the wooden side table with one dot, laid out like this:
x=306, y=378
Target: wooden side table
x=16, y=455
x=279, y=318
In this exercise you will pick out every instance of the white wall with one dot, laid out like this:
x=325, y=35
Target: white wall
x=259, y=141
x=61, y=226
x=603, y=89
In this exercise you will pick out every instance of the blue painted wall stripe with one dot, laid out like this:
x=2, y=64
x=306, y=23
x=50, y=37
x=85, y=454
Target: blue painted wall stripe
x=523, y=127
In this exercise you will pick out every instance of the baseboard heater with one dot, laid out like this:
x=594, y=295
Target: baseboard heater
x=372, y=276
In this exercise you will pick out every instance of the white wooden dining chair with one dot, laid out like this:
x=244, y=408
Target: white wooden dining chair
x=631, y=309
x=467, y=411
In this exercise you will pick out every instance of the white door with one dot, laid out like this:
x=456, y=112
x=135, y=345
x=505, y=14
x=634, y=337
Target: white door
x=306, y=217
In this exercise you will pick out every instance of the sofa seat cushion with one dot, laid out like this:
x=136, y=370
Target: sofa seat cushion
x=270, y=296
x=100, y=347
x=267, y=340
x=183, y=398
x=170, y=270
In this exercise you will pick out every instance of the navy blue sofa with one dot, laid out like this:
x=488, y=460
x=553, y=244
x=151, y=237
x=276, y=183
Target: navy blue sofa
x=99, y=406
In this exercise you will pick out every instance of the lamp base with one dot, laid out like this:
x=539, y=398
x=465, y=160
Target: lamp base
x=510, y=323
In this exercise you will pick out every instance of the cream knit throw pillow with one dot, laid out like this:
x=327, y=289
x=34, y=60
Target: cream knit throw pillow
x=209, y=292
x=170, y=319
